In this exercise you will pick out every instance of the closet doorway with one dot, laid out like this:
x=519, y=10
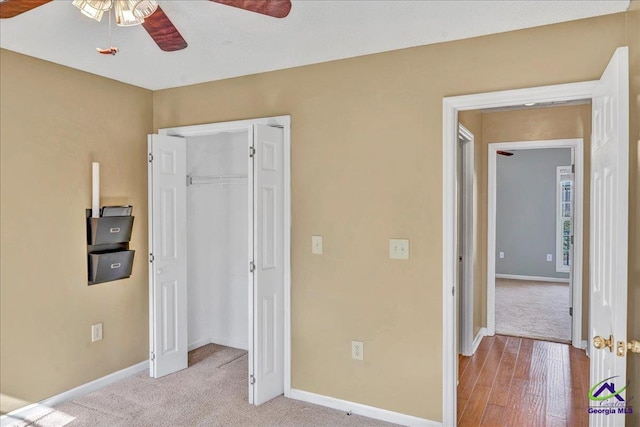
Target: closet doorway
x=219, y=239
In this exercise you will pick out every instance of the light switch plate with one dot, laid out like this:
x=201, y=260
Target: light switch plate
x=316, y=245
x=501, y=254
x=96, y=332
x=549, y=257
x=399, y=248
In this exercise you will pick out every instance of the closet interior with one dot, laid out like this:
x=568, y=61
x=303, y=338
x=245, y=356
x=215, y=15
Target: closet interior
x=217, y=239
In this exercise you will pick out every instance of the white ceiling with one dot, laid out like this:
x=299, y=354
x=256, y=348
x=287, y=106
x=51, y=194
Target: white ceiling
x=228, y=42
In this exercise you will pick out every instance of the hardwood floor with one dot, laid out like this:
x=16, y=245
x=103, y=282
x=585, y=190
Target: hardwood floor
x=519, y=382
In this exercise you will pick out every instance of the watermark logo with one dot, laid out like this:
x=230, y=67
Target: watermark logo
x=607, y=400
x=603, y=386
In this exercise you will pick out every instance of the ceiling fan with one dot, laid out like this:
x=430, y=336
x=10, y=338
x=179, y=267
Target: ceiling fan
x=147, y=13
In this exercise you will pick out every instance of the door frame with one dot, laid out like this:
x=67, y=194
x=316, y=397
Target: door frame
x=450, y=108
x=283, y=122
x=575, y=277
x=466, y=313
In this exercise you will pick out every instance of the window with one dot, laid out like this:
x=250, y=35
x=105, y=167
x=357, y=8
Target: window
x=564, y=218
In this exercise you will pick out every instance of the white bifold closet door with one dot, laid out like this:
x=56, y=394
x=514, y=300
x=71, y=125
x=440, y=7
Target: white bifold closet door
x=168, y=246
x=268, y=196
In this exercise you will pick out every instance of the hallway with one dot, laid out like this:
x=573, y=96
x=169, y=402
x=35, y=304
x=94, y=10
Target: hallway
x=513, y=381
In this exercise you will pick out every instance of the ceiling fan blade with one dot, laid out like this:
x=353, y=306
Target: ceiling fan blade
x=504, y=153
x=11, y=8
x=274, y=8
x=163, y=32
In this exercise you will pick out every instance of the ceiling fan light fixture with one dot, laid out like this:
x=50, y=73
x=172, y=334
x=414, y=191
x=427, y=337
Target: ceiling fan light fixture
x=145, y=8
x=124, y=12
x=94, y=9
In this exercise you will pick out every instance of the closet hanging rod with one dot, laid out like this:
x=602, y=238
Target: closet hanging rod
x=215, y=179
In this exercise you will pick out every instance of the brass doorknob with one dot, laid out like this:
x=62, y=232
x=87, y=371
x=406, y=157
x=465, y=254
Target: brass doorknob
x=633, y=346
x=600, y=343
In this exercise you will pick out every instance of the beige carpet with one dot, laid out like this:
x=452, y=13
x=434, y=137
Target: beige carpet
x=211, y=392
x=533, y=309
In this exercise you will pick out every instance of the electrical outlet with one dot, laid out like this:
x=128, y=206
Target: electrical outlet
x=357, y=350
x=316, y=245
x=549, y=257
x=96, y=332
x=501, y=254
x=399, y=248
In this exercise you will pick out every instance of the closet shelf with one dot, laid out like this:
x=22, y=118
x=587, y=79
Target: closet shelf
x=216, y=179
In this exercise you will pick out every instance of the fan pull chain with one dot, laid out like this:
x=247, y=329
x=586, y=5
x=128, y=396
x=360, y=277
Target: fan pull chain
x=111, y=50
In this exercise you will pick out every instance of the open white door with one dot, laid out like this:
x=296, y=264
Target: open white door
x=167, y=243
x=609, y=242
x=269, y=263
x=466, y=241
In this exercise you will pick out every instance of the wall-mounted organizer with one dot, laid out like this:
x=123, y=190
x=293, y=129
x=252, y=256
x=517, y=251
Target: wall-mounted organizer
x=109, y=257
x=108, y=235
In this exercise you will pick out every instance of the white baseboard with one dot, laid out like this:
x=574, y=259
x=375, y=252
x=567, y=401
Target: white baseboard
x=478, y=339
x=219, y=341
x=198, y=344
x=360, y=409
x=531, y=278
x=229, y=343
x=45, y=405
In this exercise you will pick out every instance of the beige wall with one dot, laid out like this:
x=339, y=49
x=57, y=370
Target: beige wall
x=541, y=124
x=54, y=122
x=366, y=166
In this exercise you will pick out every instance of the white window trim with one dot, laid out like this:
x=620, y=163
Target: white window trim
x=560, y=268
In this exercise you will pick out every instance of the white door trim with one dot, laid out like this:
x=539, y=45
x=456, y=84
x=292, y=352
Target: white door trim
x=251, y=349
x=468, y=246
x=451, y=106
x=285, y=123
x=577, y=145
